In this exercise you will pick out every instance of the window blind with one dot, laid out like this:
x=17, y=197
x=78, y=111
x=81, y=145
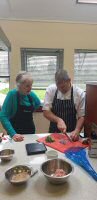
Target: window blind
x=4, y=65
x=85, y=67
x=42, y=63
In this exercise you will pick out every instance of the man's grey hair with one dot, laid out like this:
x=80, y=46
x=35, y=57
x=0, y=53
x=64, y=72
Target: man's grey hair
x=22, y=76
x=61, y=75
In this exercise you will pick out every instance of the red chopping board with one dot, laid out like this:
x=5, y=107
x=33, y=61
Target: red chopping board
x=58, y=145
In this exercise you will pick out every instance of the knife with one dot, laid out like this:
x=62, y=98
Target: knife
x=68, y=137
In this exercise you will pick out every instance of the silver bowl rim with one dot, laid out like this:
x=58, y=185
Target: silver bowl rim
x=61, y=176
x=19, y=165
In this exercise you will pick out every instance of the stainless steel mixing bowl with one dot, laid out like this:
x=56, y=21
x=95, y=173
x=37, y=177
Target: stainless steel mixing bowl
x=49, y=168
x=18, y=174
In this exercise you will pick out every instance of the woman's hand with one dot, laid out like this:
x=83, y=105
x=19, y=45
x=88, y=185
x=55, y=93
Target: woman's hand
x=74, y=135
x=61, y=125
x=18, y=138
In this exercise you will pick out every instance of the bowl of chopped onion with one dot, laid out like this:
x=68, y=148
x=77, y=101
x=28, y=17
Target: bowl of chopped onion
x=19, y=174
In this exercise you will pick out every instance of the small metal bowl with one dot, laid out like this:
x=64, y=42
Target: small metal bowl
x=6, y=154
x=49, y=168
x=18, y=174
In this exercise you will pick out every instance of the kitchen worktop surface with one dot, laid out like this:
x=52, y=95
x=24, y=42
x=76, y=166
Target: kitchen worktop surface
x=80, y=186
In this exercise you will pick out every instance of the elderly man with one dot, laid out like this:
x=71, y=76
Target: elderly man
x=64, y=106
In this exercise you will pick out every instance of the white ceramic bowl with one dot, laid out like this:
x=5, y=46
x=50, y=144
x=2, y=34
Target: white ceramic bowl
x=51, y=154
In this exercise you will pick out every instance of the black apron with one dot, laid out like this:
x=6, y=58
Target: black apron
x=22, y=121
x=65, y=109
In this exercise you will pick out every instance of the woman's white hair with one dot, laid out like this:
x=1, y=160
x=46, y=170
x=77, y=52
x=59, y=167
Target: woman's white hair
x=23, y=76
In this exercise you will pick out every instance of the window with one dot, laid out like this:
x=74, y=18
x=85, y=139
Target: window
x=42, y=63
x=4, y=70
x=85, y=67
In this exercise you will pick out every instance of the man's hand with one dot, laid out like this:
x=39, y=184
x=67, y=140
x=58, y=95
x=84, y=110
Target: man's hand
x=74, y=135
x=61, y=126
x=18, y=138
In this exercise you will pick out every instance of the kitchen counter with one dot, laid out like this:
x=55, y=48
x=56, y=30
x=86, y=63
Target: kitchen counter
x=80, y=186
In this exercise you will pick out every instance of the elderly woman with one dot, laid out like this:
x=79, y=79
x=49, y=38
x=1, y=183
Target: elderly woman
x=16, y=115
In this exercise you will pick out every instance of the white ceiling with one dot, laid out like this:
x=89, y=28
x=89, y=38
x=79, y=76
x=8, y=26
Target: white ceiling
x=52, y=10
